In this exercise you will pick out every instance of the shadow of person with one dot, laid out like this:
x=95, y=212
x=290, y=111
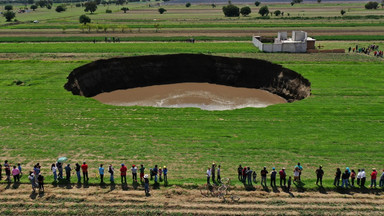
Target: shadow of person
x=8, y=185
x=322, y=190
x=275, y=189
x=112, y=186
x=41, y=193
x=156, y=185
x=103, y=185
x=299, y=186
x=16, y=185
x=249, y=187
x=124, y=186
x=135, y=185
x=54, y=183
x=78, y=185
x=68, y=186
x=265, y=188
x=86, y=185
x=33, y=195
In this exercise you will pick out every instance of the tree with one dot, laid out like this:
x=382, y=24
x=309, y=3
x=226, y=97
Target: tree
x=90, y=6
x=231, y=11
x=264, y=11
x=120, y=2
x=319, y=1
x=84, y=19
x=277, y=12
x=8, y=7
x=188, y=4
x=125, y=9
x=245, y=11
x=382, y=3
x=162, y=10
x=9, y=15
x=371, y=5
x=31, y=1
x=297, y=1
x=33, y=7
x=257, y=3
x=60, y=8
x=342, y=12
x=213, y=5
x=292, y=3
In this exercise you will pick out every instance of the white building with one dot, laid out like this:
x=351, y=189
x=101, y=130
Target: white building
x=298, y=43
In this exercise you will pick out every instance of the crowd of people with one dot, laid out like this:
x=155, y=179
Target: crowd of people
x=367, y=50
x=348, y=177
x=158, y=174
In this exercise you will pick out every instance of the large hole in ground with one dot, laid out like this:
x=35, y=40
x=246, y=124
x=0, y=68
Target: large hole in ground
x=188, y=80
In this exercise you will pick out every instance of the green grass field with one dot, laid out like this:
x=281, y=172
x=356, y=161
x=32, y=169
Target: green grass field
x=340, y=125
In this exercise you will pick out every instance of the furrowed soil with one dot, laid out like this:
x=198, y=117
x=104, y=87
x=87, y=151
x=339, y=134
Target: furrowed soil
x=98, y=200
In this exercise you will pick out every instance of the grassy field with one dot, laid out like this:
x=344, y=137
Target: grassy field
x=339, y=125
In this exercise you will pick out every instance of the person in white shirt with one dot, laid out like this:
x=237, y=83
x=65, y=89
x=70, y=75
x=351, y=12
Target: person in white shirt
x=363, y=178
x=134, y=172
x=358, y=177
x=54, y=171
x=208, y=175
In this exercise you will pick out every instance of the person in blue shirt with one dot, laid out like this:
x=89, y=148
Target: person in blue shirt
x=165, y=172
x=300, y=170
x=155, y=171
x=68, y=170
x=19, y=167
x=101, y=172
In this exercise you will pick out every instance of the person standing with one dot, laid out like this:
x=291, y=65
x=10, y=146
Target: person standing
x=155, y=172
x=319, y=175
x=146, y=185
x=36, y=169
x=381, y=183
x=358, y=177
x=249, y=175
x=353, y=177
x=300, y=170
x=296, y=174
x=336, y=182
x=213, y=169
x=7, y=169
x=208, y=175
x=240, y=173
x=111, y=171
x=16, y=174
x=263, y=174
x=363, y=178
x=84, y=168
x=218, y=174
x=77, y=169
x=273, y=177
x=68, y=170
x=60, y=168
x=142, y=169
x=1, y=171
x=123, y=174
x=254, y=175
x=244, y=172
x=19, y=167
x=373, y=177
x=283, y=177
x=289, y=183
x=54, y=171
x=160, y=174
x=32, y=179
x=134, y=172
x=101, y=172
x=165, y=172
x=40, y=179
x=344, y=178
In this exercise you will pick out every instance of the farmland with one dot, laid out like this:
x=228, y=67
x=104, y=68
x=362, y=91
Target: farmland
x=339, y=125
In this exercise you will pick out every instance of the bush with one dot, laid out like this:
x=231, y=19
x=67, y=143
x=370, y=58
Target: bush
x=9, y=15
x=371, y=5
x=277, y=12
x=213, y=5
x=342, y=12
x=125, y=9
x=162, y=10
x=60, y=8
x=188, y=4
x=8, y=7
x=245, y=11
x=257, y=3
x=84, y=19
x=108, y=11
x=264, y=11
x=33, y=7
x=78, y=5
x=231, y=11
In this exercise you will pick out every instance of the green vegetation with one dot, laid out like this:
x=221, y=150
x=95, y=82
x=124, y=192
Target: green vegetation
x=245, y=11
x=264, y=11
x=231, y=10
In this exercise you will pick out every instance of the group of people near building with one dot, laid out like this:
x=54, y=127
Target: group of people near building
x=247, y=176
x=158, y=174
x=367, y=50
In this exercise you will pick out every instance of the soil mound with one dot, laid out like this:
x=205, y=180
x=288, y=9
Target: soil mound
x=140, y=71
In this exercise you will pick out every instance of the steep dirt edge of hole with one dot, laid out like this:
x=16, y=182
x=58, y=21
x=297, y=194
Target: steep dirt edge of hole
x=140, y=71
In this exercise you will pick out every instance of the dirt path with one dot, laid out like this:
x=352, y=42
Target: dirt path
x=96, y=200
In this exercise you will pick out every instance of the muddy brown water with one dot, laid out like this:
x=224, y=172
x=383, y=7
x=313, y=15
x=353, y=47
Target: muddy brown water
x=200, y=95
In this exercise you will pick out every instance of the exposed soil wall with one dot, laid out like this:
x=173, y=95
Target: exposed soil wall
x=130, y=72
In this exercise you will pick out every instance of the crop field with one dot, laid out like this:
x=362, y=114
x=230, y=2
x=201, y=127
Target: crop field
x=339, y=125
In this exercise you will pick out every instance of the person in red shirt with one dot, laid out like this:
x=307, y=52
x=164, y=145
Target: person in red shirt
x=283, y=176
x=123, y=174
x=84, y=168
x=373, y=177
